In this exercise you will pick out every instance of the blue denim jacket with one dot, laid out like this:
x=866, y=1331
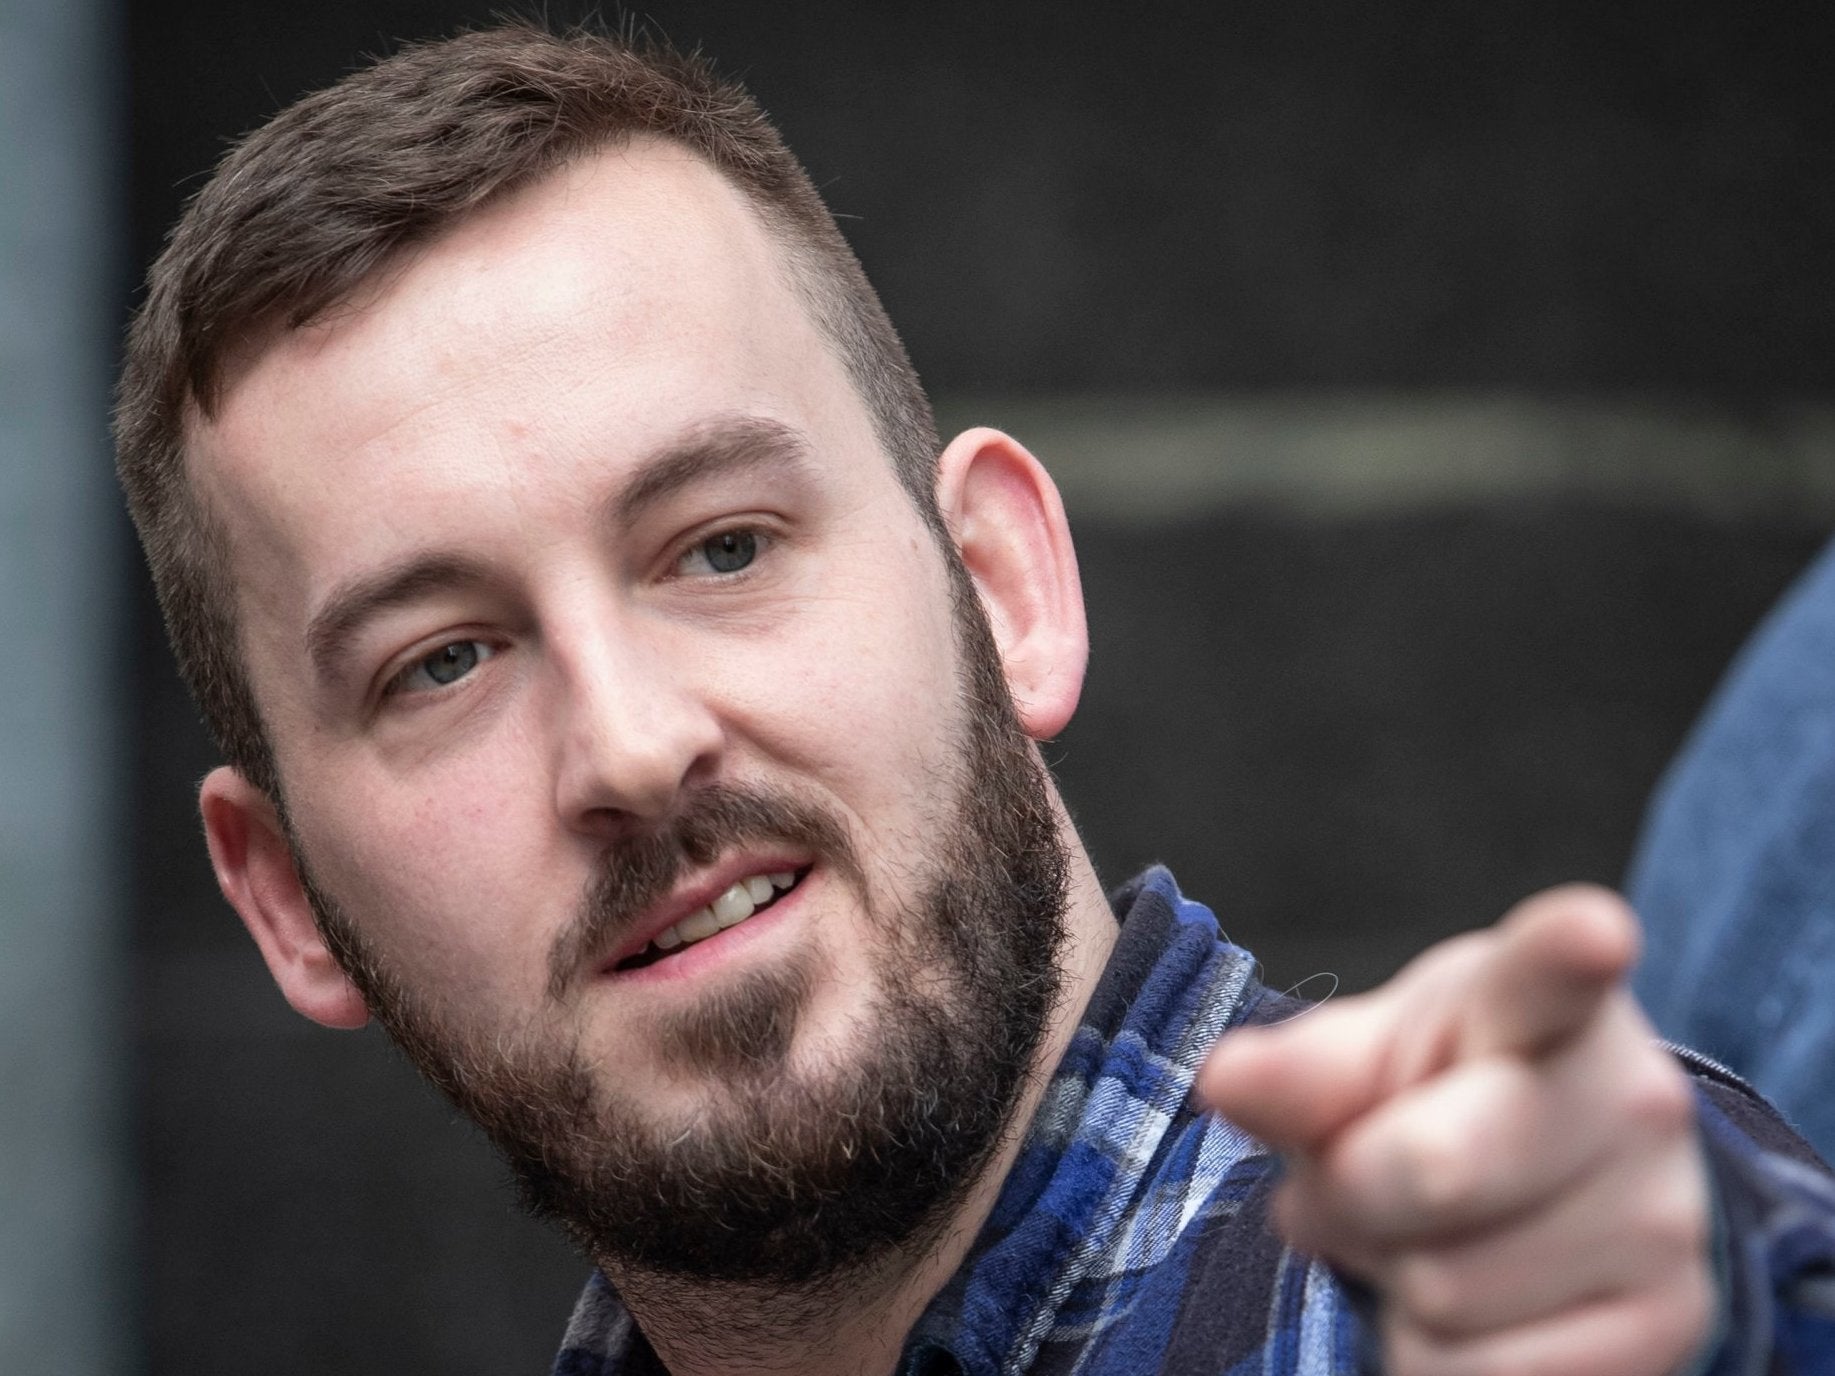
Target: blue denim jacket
x=1735, y=875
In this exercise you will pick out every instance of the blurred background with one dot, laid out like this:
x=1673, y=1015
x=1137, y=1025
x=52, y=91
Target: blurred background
x=1439, y=392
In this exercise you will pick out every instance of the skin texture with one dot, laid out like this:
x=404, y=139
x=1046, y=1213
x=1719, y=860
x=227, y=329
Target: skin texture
x=506, y=398
x=497, y=403
x=1495, y=1142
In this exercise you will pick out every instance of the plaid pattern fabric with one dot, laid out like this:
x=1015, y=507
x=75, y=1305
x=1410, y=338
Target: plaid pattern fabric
x=1131, y=1236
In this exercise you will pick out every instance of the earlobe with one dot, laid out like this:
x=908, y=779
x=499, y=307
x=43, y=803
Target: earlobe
x=255, y=869
x=1008, y=522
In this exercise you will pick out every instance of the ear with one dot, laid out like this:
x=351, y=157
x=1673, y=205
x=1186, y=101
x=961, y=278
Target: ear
x=1008, y=522
x=255, y=870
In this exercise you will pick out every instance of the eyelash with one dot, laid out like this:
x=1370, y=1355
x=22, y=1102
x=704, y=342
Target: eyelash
x=763, y=540
x=395, y=685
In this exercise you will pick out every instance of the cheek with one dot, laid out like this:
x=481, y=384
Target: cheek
x=862, y=696
x=453, y=889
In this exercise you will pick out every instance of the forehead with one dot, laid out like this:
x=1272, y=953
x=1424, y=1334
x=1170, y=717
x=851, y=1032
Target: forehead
x=626, y=295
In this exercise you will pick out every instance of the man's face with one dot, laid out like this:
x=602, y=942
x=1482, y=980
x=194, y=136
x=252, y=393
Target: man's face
x=587, y=616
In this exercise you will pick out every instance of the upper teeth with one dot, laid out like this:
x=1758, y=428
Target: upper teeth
x=728, y=910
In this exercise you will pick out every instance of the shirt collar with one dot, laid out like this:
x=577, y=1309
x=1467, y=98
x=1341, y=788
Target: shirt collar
x=1171, y=986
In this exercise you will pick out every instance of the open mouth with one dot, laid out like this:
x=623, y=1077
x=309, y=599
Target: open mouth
x=745, y=898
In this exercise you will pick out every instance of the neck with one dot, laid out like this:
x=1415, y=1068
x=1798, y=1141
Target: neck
x=856, y=1325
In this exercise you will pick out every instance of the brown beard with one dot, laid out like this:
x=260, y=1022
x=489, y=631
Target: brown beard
x=783, y=1179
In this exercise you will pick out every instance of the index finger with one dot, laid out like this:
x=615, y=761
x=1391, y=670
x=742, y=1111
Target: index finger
x=1558, y=957
x=1524, y=987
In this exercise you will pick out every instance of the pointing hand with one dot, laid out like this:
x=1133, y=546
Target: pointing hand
x=1496, y=1144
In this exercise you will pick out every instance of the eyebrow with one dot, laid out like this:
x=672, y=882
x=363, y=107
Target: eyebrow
x=718, y=448
x=358, y=600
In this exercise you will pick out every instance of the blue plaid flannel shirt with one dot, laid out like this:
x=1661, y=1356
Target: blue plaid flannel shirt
x=1131, y=1236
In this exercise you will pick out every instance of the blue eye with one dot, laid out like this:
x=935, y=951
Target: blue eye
x=445, y=666
x=727, y=552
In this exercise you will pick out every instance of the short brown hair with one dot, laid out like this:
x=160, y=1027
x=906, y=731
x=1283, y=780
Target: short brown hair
x=306, y=208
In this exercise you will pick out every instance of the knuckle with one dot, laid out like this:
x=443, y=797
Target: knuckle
x=1437, y=1174
x=1412, y=1351
x=1676, y=1225
x=1662, y=1217
x=1408, y=1351
x=1664, y=1327
x=1431, y=1293
x=1659, y=1100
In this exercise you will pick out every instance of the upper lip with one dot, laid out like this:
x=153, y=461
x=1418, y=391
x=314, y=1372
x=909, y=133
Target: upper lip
x=697, y=892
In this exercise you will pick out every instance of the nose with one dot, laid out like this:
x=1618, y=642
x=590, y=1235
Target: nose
x=633, y=730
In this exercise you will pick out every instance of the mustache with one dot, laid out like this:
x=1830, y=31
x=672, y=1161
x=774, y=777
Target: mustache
x=640, y=871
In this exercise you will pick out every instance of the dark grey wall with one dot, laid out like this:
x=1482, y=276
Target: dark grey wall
x=1350, y=734
x=1061, y=195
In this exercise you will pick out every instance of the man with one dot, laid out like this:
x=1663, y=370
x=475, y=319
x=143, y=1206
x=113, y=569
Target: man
x=629, y=702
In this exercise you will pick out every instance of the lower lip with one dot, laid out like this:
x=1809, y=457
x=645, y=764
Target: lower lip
x=707, y=955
